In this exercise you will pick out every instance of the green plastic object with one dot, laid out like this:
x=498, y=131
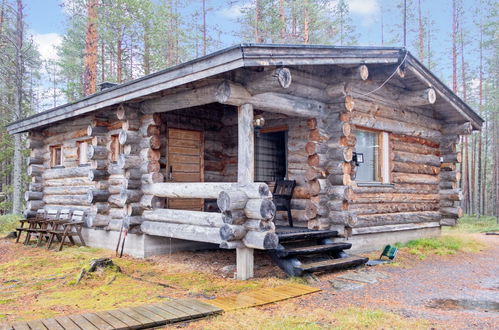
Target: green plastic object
x=389, y=251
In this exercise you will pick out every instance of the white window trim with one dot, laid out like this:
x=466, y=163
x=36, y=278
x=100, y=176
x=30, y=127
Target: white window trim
x=385, y=158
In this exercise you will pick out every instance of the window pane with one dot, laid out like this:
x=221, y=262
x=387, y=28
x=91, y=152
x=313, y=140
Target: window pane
x=367, y=144
x=270, y=156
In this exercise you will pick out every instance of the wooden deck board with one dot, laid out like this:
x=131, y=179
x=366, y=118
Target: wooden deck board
x=158, y=314
x=129, y=321
x=97, y=321
x=36, y=325
x=144, y=320
x=113, y=321
x=52, y=324
x=67, y=323
x=82, y=322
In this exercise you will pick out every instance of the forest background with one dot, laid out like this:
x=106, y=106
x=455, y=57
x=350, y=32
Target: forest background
x=57, y=51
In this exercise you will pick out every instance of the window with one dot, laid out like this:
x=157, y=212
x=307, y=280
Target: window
x=270, y=156
x=56, y=156
x=372, y=156
x=82, y=151
x=116, y=148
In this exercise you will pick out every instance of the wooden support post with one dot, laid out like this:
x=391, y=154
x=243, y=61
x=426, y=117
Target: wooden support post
x=245, y=175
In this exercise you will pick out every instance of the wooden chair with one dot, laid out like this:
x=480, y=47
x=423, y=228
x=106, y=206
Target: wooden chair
x=41, y=227
x=283, y=192
x=27, y=224
x=68, y=229
x=63, y=216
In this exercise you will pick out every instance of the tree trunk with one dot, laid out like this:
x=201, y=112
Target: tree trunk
x=90, y=59
x=18, y=95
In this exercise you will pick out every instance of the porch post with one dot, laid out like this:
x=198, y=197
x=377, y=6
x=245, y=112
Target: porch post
x=245, y=174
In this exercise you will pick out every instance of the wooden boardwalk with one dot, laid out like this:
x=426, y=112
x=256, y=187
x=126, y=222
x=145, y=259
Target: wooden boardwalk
x=262, y=296
x=143, y=317
x=154, y=315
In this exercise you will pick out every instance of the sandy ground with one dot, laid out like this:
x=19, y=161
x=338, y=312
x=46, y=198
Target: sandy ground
x=469, y=280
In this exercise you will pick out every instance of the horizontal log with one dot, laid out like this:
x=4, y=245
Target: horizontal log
x=415, y=168
x=448, y=167
x=95, y=195
x=452, y=176
x=232, y=200
x=414, y=178
x=259, y=225
x=151, y=201
x=261, y=240
x=415, y=148
x=448, y=185
x=451, y=212
x=451, y=158
x=134, y=209
x=97, y=175
x=203, y=189
x=34, y=161
x=392, y=228
x=376, y=208
x=408, y=157
x=209, y=219
x=97, y=220
x=97, y=152
x=458, y=129
x=186, y=99
x=59, y=173
x=150, y=178
x=451, y=194
x=130, y=196
x=33, y=195
x=234, y=217
x=260, y=209
x=81, y=182
x=396, y=218
x=394, y=197
x=35, y=170
x=130, y=221
x=232, y=232
x=34, y=205
x=130, y=161
x=66, y=199
x=182, y=231
x=35, y=187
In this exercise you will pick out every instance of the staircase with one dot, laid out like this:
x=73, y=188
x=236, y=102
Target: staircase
x=302, y=251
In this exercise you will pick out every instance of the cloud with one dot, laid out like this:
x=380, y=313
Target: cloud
x=235, y=11
x=364, y=7
x=47, y=44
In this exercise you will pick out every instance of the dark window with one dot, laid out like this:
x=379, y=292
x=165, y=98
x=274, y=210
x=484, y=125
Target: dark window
x=56, y=156
x=270, y=156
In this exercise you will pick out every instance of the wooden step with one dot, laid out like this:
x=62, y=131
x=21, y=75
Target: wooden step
x=331, y=264
x=308, y=235
x=313, y=249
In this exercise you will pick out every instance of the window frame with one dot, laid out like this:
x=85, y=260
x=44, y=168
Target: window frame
x=382, y=165
x=54, y=160
x=78, y=153
x=117, y=150
x=269, y=130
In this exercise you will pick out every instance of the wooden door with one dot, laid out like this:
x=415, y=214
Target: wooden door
x=185, y=150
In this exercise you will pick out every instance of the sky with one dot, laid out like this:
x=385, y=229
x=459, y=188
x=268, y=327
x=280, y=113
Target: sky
x=46, y=20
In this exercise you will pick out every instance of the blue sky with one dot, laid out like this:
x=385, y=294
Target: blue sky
x=46, y=20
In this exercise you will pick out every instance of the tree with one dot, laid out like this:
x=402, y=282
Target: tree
x=91, y=43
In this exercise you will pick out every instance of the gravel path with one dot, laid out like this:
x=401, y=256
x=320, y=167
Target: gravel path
x=458, y=291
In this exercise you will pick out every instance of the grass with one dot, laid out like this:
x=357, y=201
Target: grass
x=287, y=315
x=471, y=224
x=36, y=283
x=8, y=223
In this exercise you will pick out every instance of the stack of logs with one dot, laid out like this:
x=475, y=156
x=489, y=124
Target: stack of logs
x=450, y=194
x=247, y=215
x=141, y=142
x=34, y=195
x=98, y=154
x=329, y=174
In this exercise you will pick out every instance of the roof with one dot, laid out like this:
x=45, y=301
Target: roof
x=248, y=55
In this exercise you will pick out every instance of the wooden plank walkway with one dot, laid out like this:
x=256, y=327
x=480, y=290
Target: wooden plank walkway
x=158, y=314
x=262, y=296
x=142, y=317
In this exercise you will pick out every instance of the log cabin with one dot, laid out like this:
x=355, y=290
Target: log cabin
x=187, y=157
